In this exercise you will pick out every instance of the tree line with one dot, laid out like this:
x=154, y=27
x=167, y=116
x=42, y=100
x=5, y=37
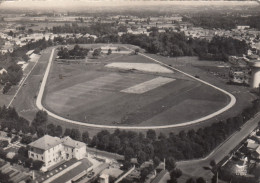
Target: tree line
x=222, y=21
x=98, y=29
x=76, y=53
x=142, y=147
x=182, y=146
x=175, y=44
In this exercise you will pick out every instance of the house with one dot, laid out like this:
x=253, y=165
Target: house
x=252, y=146
x=52, y=150
x=243, y=27
x=104, y=178
x=105, y=49
x=160, y=176
x=73, y=148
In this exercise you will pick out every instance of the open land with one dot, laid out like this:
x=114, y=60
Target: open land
x=90, y=92
x=27, y=96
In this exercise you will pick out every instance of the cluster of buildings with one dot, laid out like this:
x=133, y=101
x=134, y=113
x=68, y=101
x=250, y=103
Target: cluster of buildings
x=253, y=145
x=52, y=150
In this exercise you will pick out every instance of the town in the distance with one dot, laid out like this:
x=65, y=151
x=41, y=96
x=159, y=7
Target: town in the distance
x=129, y=91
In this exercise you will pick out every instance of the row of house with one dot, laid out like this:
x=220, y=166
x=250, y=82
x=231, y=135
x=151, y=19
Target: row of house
x=253, y=145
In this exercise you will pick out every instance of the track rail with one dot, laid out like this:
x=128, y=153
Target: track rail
x=44, y=81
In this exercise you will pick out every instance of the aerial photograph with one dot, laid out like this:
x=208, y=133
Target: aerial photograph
x=129, y=91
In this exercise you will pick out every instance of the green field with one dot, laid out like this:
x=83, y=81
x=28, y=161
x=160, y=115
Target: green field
x=92, y=93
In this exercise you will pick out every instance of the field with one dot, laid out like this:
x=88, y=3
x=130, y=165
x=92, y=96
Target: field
x=91, y=92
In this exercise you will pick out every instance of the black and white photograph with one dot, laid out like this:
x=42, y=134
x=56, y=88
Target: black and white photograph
x=129, y=91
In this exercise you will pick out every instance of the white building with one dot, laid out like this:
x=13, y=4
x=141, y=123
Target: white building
x=104, y=178
x=52, y=150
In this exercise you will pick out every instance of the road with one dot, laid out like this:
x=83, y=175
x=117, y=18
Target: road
x=22, y=84
x=195, y=167
x=44, y=81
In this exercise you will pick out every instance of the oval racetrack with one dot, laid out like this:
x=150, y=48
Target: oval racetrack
x=43, y=84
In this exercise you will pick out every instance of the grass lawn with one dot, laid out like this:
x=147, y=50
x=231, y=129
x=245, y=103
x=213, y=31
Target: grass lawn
x=92, y=93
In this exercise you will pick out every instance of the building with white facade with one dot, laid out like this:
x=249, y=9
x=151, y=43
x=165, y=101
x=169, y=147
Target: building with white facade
x=52, y=150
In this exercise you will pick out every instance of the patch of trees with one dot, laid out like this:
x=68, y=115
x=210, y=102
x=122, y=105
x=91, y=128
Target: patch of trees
x=219, y=48
x=10, y=119
x=3, y=143
x=177, y=44
x=96, y=52
x=14, y=72
x=22, y=158
x=220, y=21
x=98, y=29
x=185, y=145
x=76, y=53
x=74, y=40
x=73, y=133
x=12, y=77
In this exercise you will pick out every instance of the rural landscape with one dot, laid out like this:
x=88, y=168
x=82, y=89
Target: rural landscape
x=129, y=91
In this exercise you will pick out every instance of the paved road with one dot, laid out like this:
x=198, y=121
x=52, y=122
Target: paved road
x=195, y=167
x=41, y=107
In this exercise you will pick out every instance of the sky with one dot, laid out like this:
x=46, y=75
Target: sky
x=81, y=4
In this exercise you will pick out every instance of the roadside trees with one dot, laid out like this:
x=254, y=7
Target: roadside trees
x=96, y=53
x=109, y=51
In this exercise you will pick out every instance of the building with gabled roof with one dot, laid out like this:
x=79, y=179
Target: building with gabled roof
x=52, y=150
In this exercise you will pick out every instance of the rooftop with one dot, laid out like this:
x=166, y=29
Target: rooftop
x=160, y=176
x=72, y=143
x=46, y=142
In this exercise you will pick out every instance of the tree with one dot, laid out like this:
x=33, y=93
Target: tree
x=23, y=151
x=156, y=161
x=40, y=132
x=14, y=139
x=7, y=87
x=172, y=180
x=137, y=51
x=75, y=134
x=2, y=154
x=129, y=153
x=51, y=129
x=3, y=143
x=96, y=53
x=170, y=164
x=109, y=51
x=213, y=163
x=28, y=163
x=26, y=139
x=151, y=134
x=191, y=180
x=144, y=173
x=114, y=144
x=141, y=157
x=41, y=118
x=149, y=151
x=30, y=31
x=200, y=180
x=67, y=132
x=58, y=131
x=85, y=137
x=176, y=173
x=36, y=165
